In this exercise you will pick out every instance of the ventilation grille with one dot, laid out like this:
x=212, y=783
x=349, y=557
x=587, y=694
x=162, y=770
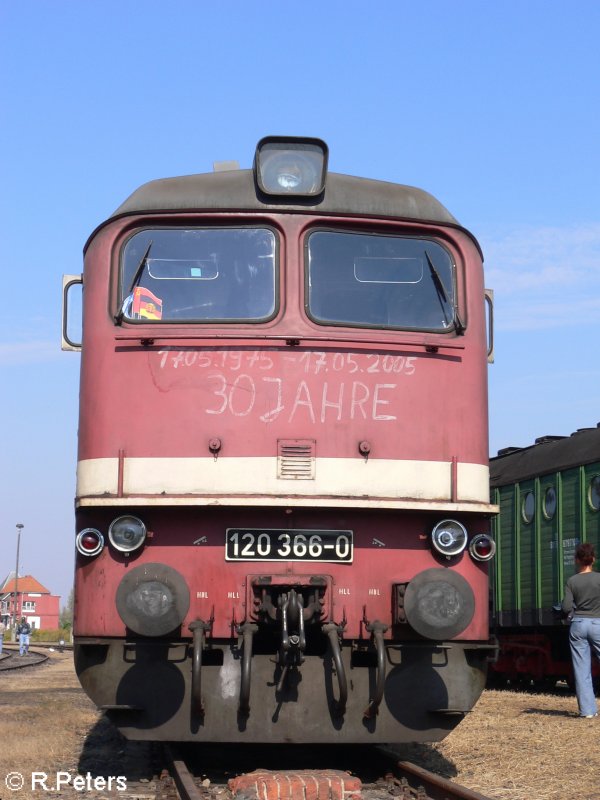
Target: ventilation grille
x=296, y=459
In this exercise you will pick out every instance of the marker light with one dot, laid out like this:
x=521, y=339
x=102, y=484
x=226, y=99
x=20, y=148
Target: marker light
x=291, y=166
x=449, y=537
x=127, y=533
x=89, y=542
x=482, y=547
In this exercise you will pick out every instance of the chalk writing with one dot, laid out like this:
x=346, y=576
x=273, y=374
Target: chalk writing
x=309, y=387
x=320, y=403
x=311, y=362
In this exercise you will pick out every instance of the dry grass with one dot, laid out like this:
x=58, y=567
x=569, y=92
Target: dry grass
x=44, y=717
x=514, y=746
x=521, y=746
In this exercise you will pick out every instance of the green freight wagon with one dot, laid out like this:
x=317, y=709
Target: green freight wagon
x=549, y=499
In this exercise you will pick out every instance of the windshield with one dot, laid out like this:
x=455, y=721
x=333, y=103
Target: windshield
x=199, y=275
x=373, y=280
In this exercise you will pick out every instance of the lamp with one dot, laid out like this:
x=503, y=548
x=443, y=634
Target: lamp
x=20, y=527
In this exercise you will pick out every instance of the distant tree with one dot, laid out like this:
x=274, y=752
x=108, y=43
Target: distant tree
x=66, y=614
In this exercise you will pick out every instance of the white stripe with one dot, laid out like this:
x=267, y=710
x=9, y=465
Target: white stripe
x=412, y=482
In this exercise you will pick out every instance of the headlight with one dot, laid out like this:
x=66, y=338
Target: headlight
x=127, y=533
x=89, y=542
x=482, y=547
x=291, y=166
x=449, y=537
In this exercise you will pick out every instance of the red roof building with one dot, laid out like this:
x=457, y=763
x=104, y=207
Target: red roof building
x=34, y=602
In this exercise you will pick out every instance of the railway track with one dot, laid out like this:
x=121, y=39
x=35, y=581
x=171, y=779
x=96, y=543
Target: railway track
x=10, y=659
x=401, y=780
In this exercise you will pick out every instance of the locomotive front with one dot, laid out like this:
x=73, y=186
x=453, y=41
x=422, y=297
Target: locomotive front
x=282, y=488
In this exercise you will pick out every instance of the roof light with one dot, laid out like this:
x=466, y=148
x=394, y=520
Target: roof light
x=290, y=166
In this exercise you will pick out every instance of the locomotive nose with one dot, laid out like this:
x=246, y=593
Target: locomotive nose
x=439, y=603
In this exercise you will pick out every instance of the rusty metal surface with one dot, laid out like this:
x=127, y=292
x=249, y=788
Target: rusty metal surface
x=184, y=780
x=436, y=787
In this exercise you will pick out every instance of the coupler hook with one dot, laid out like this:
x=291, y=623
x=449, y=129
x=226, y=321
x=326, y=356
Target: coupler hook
x=198, y=628
x=247, y=630
x=333, y=632
x=292, y=609
x=377, y=629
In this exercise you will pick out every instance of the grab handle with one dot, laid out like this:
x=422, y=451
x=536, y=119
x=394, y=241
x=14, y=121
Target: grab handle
x=66, y=342
x=489, y=299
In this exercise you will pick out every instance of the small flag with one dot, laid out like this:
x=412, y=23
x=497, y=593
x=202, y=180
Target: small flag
x=145, y=304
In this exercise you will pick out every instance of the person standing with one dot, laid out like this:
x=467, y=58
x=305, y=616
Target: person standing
x=24, y=629
x=2, y=629
x=582, y=603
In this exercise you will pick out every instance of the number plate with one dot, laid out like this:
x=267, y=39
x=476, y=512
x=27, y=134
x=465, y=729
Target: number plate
x=260, y=544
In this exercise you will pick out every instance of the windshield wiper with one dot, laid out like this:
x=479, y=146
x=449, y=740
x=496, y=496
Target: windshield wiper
x=135, y=280
x=443, y=297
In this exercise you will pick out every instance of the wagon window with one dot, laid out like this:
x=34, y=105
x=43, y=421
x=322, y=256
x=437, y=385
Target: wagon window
x=373, y=280
x=199, y=275
x=594, y=493
x=550, y=502
x=528, y=507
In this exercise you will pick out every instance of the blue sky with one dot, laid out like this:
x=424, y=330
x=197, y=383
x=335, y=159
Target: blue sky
x=493, y=108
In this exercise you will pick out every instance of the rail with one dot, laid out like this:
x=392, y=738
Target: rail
x=182, y=777
x=436, y=787
x=411, y=782
x=10, y=659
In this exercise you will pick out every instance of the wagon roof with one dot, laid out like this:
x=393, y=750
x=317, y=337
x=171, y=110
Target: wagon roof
x=550, y=454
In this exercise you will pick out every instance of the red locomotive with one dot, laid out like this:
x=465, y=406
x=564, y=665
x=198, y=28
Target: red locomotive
x=282, y=503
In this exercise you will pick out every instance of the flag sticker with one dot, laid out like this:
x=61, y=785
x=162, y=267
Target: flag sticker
x=145, y=304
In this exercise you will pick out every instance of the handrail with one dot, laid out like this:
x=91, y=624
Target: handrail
x=489, y=299
x=66, y=342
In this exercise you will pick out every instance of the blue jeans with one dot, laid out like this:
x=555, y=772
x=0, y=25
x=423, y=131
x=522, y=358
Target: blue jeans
x=584, y=637
x=23, y=643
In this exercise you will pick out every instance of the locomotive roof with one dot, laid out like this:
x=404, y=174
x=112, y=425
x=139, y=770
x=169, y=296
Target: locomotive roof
x=549, y=454
x=236, y=190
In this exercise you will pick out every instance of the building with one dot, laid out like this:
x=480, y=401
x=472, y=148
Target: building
x=34, y=602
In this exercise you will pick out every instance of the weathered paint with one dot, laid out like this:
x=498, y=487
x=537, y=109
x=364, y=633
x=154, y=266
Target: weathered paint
x=396, y=426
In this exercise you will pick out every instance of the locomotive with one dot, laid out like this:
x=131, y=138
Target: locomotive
x=549, y=500
x=282, y=504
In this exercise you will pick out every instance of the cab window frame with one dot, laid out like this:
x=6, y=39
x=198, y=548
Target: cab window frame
x=120, y=270
x=453, y=328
